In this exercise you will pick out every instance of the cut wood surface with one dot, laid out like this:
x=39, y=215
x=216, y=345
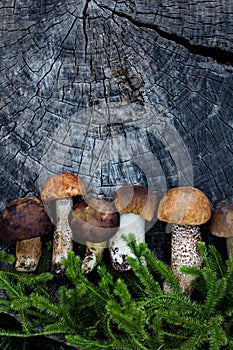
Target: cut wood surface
x=117, y=92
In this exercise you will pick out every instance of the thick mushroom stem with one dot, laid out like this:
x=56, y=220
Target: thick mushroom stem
x=185, y=252
x=62, y=240
x=119, y=251
x=229, y=243
x=94, y=251
x=28, y=253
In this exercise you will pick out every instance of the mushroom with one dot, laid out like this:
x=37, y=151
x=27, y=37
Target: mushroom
x=93, y=222
x=25, y=221
x=186, y=208
x=135, y=204
x=221, y=225
x=62, y=188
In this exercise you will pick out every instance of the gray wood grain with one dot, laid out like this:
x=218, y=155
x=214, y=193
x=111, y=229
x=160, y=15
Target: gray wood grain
x=117, y=92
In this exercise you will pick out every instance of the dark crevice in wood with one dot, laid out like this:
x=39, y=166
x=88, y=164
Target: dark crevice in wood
x=85, y=16
x=219, y=55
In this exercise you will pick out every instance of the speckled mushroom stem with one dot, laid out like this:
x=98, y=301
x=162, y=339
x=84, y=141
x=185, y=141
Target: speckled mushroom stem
x=62, y=240
x=28, y=253
x=94, y=251
x=184, y=252
x=119, y=251
x=229, y=243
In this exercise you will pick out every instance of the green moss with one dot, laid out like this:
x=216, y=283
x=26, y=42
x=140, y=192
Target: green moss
x=108, y=310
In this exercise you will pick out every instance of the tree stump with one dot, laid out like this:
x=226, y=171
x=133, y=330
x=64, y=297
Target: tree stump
x=117, y=92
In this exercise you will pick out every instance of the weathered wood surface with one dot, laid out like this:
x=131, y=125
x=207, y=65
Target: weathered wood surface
x=118, y=92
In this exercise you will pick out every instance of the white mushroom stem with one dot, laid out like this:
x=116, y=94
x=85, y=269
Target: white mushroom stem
x=119, y=251
x=62, y=240
x=229, y=243
x=28, y=253
x=184, y=252
x=94, y=251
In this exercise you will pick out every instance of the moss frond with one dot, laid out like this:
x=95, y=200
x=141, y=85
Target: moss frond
x=125, y=311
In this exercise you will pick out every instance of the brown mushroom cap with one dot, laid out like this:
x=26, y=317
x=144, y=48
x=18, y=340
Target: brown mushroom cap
x=184, y=206
x=65, y=185
x=93, y=220
x=24, y=218
x=221, y=223
x=136, y=199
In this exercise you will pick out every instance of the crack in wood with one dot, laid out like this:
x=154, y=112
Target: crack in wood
x=123, y=60
x=85, y=17
x=219, y=55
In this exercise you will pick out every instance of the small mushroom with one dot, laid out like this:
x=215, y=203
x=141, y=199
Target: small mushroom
x=135, y=204
x=221, y=225
x=93, y=222
x=25, y=221
x=62, y=188
x=186, y=208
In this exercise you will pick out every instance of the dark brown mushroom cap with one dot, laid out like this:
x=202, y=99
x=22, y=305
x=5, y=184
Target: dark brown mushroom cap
x=24, y=218
x=65, y=185
x=184, y=206
x=93, y=220
x=221, y=223
x=136, y=199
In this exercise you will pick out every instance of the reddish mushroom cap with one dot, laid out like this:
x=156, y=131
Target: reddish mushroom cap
x=221, y=223
x=184, y=206
x=136, y=199
x=65, y=185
